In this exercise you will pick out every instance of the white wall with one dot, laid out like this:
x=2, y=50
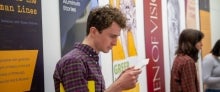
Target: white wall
x=215, y=19
x=51, y=40
x=166, y=46
x=141, y=43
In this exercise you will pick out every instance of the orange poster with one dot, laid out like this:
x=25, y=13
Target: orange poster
x=17, y=69
x=205, y=26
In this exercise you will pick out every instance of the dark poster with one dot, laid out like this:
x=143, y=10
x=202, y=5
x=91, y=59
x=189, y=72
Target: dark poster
x=21, y=47
x=73, y=17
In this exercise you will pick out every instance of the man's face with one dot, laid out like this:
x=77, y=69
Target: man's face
x=105, y=40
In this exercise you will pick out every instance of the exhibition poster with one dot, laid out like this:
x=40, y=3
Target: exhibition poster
x=21, y=47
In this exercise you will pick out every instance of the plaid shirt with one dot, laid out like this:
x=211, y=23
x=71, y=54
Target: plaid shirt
x=184, y=75
x=76, y=68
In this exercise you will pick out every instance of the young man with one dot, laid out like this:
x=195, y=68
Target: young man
x=80, y=65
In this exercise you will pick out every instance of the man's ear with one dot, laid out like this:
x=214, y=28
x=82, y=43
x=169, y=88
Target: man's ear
x=93, y=30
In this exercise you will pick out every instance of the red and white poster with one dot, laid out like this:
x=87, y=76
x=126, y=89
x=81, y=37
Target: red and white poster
x=154, y=45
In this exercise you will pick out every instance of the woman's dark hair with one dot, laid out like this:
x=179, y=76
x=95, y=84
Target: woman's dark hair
x=216, y=49
x=103, y=17
x=187, y=41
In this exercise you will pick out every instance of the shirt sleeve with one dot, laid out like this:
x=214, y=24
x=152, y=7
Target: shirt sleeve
x=57, y=79
x=208, y=66
x=188, y=77
x=74, y=76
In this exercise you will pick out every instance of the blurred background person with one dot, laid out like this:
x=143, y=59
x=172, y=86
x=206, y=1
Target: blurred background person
x=211, y=69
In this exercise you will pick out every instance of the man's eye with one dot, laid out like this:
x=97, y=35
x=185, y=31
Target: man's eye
x=113, y=36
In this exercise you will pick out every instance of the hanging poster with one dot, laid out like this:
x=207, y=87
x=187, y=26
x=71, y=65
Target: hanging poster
x=73, y=17
x=174, y=24
x=191, y=14
x=124, y=54
x=154, y=45
x=205, y=25
x=21, y=47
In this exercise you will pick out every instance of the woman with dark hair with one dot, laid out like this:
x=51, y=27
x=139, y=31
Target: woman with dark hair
x=211, y=69
x=183, y=73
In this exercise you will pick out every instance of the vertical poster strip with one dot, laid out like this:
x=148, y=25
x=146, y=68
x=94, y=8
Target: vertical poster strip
x=174, y=27
x=73, y=17
x=205, y=25
x=124, y=54
x=21, y=48
x=191, y=14
x=154, y=45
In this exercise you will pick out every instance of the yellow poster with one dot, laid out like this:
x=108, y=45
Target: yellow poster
x=17, y=69
x=124, y=54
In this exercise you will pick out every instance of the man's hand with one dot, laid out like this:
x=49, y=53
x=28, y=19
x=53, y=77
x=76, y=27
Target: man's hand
x=127, y=80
